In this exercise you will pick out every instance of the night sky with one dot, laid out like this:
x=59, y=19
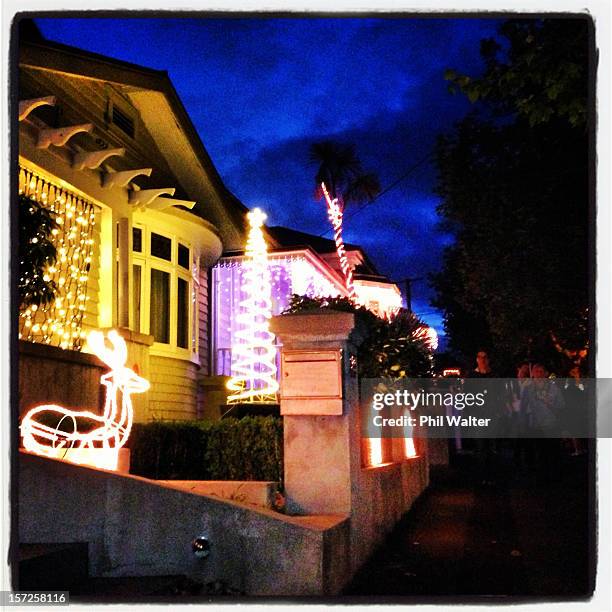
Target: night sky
x=260, y=91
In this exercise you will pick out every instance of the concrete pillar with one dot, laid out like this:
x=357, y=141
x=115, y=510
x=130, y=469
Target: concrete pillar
x=319, y=403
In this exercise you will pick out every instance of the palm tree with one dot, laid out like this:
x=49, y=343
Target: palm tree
x=340, y=179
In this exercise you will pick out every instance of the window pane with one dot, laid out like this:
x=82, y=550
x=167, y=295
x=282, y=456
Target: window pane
x=136, y=286
x=182, y=322
x=161, y=247
x=183, y=256
x=160, y=306
x=137, y=239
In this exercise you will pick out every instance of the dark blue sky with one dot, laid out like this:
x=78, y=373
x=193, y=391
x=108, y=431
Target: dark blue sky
x=260, y=91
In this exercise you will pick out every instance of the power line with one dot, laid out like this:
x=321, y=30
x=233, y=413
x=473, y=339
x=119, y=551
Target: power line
x=395, y=183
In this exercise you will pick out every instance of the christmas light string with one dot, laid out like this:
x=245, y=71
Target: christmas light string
x=60, y=322
x=334, y=214
x=253, y=352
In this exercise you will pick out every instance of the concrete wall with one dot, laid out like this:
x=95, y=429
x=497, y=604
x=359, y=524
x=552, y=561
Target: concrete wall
x=253, y=492
x=137, y=527
x=384, y=494
x=45, y=370
x=324, y=467
x=324, y=473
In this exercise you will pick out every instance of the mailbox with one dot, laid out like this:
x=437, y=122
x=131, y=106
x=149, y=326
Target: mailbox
x=311, y=382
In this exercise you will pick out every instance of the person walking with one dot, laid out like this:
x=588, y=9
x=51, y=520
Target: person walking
x=515, y=417
x=542, y=403
x=486, y=448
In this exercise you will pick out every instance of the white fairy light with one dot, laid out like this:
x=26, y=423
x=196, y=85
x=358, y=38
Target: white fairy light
x=253, y=352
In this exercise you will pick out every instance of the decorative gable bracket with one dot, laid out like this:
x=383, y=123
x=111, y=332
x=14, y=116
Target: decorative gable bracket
x=60, y=136
x=143, y=197
x=27, y=106
x=121, y=179
x=93, y=159
x=162, y=203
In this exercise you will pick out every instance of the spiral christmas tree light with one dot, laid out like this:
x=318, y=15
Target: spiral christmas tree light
x=253, y=353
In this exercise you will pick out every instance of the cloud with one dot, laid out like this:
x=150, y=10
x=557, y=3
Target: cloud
x=261, y=91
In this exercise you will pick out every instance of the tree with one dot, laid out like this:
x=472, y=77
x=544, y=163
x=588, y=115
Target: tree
x=543, y=76
x=513, y=181
x=254, y=354
x=36, y=253
x=340, y=179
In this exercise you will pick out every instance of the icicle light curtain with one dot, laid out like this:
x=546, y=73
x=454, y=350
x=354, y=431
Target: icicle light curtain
x=60, y=322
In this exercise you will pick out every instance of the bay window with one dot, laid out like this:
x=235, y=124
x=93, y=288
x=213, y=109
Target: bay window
x=164, y=277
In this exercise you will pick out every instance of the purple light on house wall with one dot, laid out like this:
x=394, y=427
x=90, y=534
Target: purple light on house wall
x=288, y=274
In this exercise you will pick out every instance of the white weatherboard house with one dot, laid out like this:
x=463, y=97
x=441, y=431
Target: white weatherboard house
x=144, y=215
x=150, y=242
x=149, y=238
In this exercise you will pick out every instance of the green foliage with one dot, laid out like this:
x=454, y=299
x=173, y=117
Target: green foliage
x=513, y=182
x=250, y=448
x=36, y=253
x=390, y=349
x=544, y=76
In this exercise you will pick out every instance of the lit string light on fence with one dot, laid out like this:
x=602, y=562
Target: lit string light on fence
x=60, y=322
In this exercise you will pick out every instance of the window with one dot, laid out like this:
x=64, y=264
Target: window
x=63, y=322
x=136, y=240
x=160, y=306
x=182, y=319
x=162, y=290
x=161, y=247
x=183, y=256
x=136, y=296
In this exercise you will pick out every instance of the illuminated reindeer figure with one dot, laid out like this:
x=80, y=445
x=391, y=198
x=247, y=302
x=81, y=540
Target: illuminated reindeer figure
x=110, y=430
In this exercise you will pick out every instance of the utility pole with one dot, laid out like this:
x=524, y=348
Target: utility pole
x=407, y=282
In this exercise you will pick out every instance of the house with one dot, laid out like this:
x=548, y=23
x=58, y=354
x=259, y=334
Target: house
x=142, y=216
x=302, y=264
x=149, y=239
x=372, y=289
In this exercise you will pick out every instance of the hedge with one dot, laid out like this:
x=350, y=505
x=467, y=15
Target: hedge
x=250, y=448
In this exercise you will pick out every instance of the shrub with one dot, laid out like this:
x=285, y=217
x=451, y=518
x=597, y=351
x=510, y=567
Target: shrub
x=391, y=349
x=250, y=448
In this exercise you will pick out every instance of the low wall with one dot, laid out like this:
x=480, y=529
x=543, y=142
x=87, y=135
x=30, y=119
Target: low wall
x=45, y=370
x=324, y=448
x=323, y=463
x=138, y=527
x=255, y=492
x=384, y=494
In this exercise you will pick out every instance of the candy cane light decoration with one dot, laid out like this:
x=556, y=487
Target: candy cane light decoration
x=89, y=438
x=334, y=213
x=253, y=352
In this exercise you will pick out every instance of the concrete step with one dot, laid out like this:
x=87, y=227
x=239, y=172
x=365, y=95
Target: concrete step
x=52, y=567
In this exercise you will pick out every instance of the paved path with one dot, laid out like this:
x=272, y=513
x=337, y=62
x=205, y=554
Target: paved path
x=525, y=536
